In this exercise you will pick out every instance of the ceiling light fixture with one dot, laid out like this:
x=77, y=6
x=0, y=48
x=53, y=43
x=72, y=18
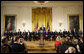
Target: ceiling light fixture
x=41, y=2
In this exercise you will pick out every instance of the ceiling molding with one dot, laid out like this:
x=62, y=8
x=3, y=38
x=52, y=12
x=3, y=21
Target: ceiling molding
x=49, y=4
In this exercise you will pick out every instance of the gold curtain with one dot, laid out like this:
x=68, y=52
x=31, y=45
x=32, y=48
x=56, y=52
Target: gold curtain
x=42, y=16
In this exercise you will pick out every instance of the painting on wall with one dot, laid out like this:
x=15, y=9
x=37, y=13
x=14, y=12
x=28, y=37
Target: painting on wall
x=74, y=22
x=10, y=23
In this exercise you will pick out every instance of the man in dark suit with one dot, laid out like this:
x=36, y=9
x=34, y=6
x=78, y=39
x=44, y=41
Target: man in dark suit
x=46, y=35
x=74, y=33
x=64, y=33
x=18, y=46
x=37, y=35
x=42, y=28
x=19, y=33
x=32, y=36
x=24, y=35
x=61, y=33
x=5, y=46
x=52, y=35
x=62, y=48
x=55, y=34
x=80, y=33
x=28, y=34
x=15, y=34
x=10, y=35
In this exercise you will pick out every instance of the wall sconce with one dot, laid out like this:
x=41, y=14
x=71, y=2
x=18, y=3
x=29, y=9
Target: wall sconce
x=60, y=23
x=23, y=24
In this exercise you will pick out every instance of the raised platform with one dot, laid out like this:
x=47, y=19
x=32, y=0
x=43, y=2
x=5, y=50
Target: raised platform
x=34, y=47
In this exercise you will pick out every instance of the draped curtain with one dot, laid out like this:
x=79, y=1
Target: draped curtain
x=42, y=16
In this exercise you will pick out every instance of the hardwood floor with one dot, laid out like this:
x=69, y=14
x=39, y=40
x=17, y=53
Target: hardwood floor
x=34, y=47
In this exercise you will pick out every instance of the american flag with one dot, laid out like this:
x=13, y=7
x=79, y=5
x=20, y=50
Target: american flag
x=37, y=26
x=47, y=24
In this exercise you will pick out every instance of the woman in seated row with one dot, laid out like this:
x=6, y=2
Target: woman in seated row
x=67, y=45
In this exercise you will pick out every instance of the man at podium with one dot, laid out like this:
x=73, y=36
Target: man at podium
x=42, y=28
x=42, y=31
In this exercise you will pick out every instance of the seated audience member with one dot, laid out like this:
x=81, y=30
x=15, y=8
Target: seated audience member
x=15, y=33
x=18, y=46
x=23, y=48
x=70, y=50
x=81, y=45
x=5, y=33
x=80, y=32
x=57, y=42
x=5, y=46
x=74, y=33
x=71, y=36
x=9, y=35
x=75, y=45
x=64, y=33
x=68, y=41
x=63, y=47
x=12, y=40
x=68, y=33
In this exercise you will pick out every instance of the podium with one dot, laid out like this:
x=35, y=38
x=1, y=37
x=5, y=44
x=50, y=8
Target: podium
x=41, y=39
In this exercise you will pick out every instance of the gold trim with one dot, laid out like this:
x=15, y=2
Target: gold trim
x=15, y=21
x=79, y=20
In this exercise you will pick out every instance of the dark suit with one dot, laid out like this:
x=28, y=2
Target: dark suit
x=81, y=46
x=42, y=29
x=64, y=33
x=25, y=35
x=28, y=35
x=46, y=35
x=52, y=35
x=32, y=35
x=55, y=35
x=16, y=48
x=37, y=35
x=80, y=33
x=74, y=33
x=20, y=34
x=62, y=48
x=10, y=34
x=61, y=34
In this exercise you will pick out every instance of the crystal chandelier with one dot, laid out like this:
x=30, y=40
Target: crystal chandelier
x=41, y=2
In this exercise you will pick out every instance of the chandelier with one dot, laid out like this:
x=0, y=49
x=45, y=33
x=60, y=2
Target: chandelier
x=41, y=2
